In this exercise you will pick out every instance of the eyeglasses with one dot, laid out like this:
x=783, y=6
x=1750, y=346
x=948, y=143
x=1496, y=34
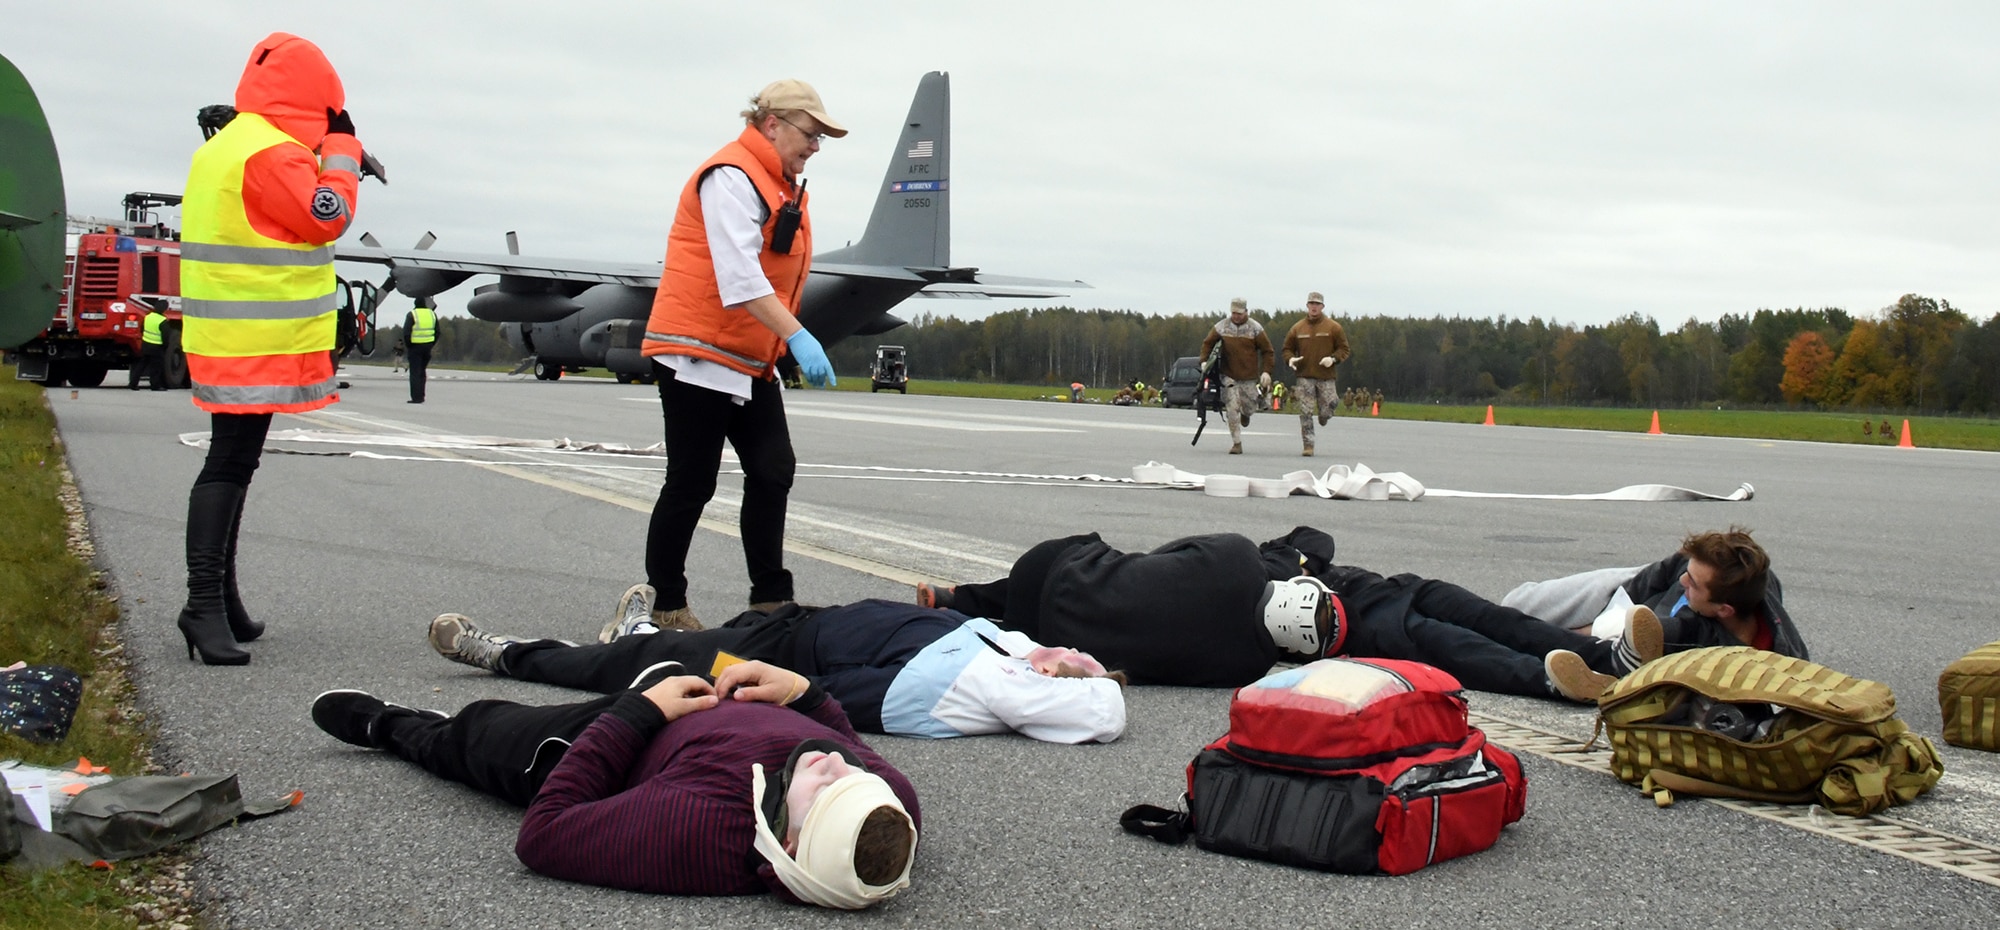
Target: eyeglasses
x=812, y=138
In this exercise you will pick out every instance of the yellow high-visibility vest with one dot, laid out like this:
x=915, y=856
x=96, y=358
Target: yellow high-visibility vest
x=255, y=310
x=149, y=330
x=425, y=325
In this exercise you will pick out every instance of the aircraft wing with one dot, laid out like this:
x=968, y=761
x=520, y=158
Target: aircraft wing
x=954, y=282
x=984, y=286
x=634, y=274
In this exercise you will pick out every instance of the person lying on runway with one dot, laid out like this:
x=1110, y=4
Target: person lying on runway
x=1717, y=589
x=1218, y=610
x=752, y=783
x=896, y=668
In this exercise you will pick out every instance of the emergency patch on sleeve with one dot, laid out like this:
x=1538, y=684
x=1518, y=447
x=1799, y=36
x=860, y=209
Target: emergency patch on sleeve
x=328, y=205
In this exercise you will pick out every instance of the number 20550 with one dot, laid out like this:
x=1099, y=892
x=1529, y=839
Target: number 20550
x=914, y=203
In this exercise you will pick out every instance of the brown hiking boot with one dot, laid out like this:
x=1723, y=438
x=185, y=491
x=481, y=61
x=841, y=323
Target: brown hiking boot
x=1236, y=449
x=1573, y=678
x=679, y=618
x=765, y=607
x=1308, y=449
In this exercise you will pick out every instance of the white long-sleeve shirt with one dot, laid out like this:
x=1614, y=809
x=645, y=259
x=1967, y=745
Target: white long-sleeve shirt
x=977, y=680
x=733, y=214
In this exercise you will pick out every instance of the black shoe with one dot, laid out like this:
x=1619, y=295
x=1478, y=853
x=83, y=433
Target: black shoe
x=655, y=673
x=356, y=717
x=413, y=402
x=349, y=716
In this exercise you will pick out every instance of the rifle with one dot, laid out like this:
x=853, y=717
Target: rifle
x=1208, y=395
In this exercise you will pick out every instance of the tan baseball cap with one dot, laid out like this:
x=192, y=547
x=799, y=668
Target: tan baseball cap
x=1239, y=303
x=1314, y=297
x=794, y=94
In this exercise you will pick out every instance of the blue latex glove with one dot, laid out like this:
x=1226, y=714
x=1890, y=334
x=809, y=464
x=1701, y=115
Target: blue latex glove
x=812, y=359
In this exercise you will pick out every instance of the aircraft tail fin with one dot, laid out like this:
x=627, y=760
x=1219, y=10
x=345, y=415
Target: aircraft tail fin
x=911, y=223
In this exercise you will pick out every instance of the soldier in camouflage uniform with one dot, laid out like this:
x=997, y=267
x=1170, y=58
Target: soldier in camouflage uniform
x=1246, y=366
x=1314, y=347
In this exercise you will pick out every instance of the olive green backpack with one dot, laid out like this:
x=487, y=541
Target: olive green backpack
x=1737, y=722
x=1969, y=697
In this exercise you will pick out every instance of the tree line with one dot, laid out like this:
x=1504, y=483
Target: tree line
x=461, y=339
x=1917, y=354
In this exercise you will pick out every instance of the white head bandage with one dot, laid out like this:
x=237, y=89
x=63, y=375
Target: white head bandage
x=822, y=872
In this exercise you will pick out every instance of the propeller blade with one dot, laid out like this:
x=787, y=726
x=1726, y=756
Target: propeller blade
x=513, y=243
x=425, y=242
x=369, y=240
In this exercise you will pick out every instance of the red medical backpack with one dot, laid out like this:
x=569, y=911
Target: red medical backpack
x=1346, y=765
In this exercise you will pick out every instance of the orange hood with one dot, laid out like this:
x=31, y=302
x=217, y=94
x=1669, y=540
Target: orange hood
x=289, y=82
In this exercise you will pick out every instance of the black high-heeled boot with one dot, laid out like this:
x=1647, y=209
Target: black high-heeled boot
x=212, y=507
x=241, y=626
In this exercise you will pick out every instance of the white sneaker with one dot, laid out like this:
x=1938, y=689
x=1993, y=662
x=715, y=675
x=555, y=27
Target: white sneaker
x=633, y=616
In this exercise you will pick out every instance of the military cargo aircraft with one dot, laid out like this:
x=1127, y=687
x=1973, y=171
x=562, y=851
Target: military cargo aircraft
x=31, y=212
x=573, y=314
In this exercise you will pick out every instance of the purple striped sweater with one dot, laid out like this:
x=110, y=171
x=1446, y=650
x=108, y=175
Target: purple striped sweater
x=644, y=805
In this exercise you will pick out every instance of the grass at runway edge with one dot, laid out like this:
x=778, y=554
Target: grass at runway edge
x=54, y=611
x=1807, y=426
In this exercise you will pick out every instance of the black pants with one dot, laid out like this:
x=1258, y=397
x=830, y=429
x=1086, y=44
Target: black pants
x=1015, y=601
x=1484, y=645
x=499, y=747
x=235, y=446
x=152, y=367
x=698, y=420
x=610, y=667
x=420, y=365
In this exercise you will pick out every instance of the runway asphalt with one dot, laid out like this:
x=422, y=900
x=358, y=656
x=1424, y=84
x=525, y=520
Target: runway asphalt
x=1886, y=558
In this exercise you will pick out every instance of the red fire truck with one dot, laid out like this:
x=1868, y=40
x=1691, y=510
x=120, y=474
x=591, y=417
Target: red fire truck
x=117, y=270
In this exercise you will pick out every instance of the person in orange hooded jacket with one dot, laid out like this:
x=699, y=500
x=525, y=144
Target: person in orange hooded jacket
x=266, y=198
x=737, y=260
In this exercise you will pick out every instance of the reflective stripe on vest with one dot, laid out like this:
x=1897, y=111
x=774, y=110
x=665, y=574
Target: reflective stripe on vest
x=426, y=325
x=149, y=331
x=256, y=310
x=693, y=343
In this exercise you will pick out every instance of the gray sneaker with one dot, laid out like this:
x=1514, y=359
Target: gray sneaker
x=634, y=615
x=455, y=637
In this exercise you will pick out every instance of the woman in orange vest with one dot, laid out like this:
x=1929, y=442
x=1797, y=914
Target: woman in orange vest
x=266, y=197
x=737, y=259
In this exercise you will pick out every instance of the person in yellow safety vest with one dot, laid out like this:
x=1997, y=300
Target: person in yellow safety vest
x=1277, y=396
x=265, y=199
x=420, y=333
x=152, y=352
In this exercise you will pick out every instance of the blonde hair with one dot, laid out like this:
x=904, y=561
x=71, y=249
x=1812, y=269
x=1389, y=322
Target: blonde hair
x=755, y=115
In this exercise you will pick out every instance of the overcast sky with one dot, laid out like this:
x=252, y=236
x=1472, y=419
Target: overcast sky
x=1574, y=161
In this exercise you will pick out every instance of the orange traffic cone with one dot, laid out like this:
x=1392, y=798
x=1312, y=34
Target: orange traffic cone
x=1374, y=409
x=1489, y=415
x=1655, y=430
x=1906, y=443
